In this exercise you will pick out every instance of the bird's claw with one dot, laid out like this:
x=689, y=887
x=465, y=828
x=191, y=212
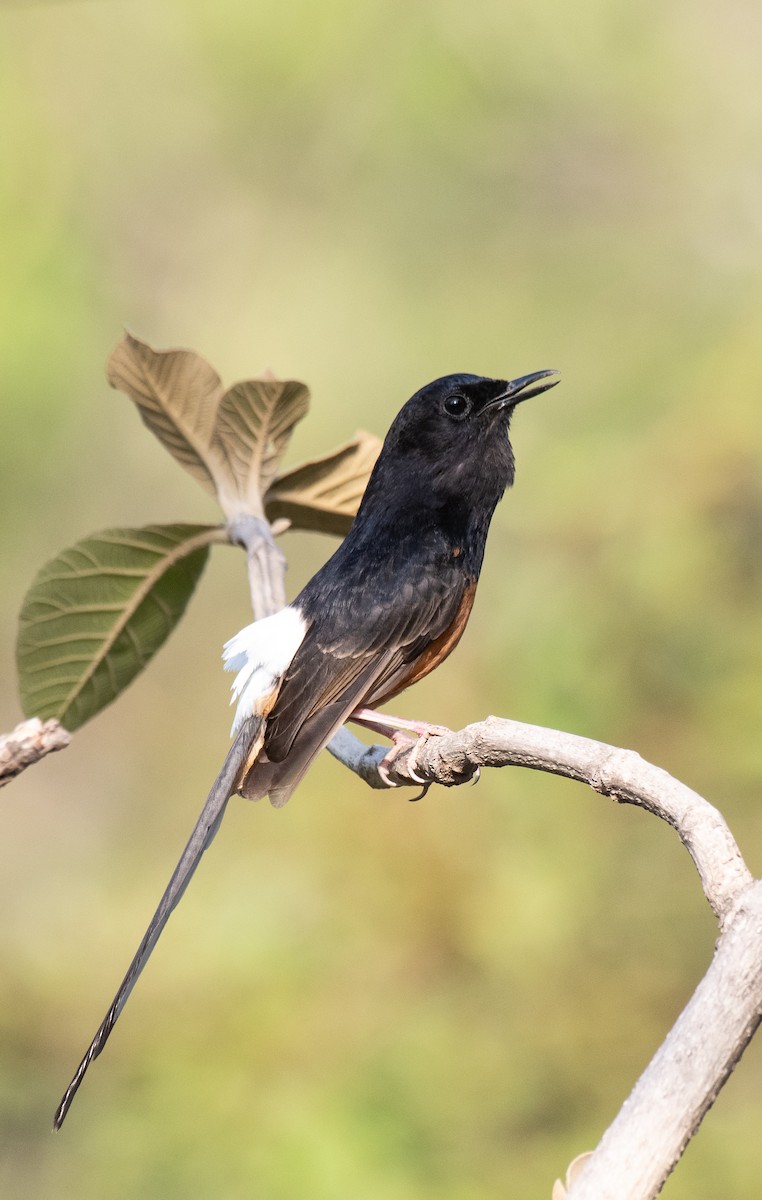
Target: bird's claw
x=421, y=794
x=383, y=770
x=402, y=741
x=472, y=776
x=412, y=762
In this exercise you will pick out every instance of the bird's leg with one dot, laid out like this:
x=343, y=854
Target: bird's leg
x=389, y=726
x=398, y=730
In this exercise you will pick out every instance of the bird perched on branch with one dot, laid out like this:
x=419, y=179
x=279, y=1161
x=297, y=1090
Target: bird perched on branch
x=386, y=609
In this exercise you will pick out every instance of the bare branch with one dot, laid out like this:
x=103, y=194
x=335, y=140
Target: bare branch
x=680, y=1084
x=266, y=563
x=623, y=775
x=362, y=759
x=666, y=1107
x=28, y=743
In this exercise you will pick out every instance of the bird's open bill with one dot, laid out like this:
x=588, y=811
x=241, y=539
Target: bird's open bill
x=517, y=389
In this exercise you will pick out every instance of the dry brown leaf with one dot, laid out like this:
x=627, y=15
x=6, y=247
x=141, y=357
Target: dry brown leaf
x=231, y=442
x=177, y=393
x=255, y=421
x=325, y=493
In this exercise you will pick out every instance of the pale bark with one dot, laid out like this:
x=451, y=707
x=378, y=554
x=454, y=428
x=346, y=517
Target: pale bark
x=664, y=1110
x=27, y=744
x=623, y=775
x=266, y=562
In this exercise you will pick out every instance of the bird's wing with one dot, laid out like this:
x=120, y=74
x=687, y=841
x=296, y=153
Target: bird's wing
x=365, y=650
x=247, y=743
x=278, y=780
x=331, y=675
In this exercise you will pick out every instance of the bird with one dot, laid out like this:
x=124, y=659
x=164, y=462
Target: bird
x=387, y=608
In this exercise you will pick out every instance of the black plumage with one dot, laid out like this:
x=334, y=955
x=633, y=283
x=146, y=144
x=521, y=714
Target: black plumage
x=408, y=568
x=386, y=609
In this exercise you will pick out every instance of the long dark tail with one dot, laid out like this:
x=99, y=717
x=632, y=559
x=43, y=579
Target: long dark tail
x=241, y=753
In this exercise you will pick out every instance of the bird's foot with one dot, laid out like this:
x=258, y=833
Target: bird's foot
x=405, y=736
x=402, y=742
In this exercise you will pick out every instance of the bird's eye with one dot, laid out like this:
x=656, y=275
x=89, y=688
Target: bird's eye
x=456, y=406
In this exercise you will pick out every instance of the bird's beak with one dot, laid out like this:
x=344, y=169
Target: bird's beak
x=521, y=389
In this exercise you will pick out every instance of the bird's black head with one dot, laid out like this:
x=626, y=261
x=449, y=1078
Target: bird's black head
x=456, y=429
x=448, y=449
x=444, y=465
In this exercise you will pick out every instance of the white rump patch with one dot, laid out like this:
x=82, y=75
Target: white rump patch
x=261, y=654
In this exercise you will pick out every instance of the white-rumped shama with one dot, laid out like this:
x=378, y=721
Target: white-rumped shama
x=385, y=610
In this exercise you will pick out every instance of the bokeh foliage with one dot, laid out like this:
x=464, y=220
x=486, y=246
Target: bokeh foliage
x=357, y=995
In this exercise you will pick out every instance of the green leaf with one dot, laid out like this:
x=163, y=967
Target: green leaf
x=255, y=421
x=97, y=613
x=324, y=494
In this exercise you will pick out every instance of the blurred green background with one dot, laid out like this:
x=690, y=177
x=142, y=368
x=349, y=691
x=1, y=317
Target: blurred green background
x=359, y=996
